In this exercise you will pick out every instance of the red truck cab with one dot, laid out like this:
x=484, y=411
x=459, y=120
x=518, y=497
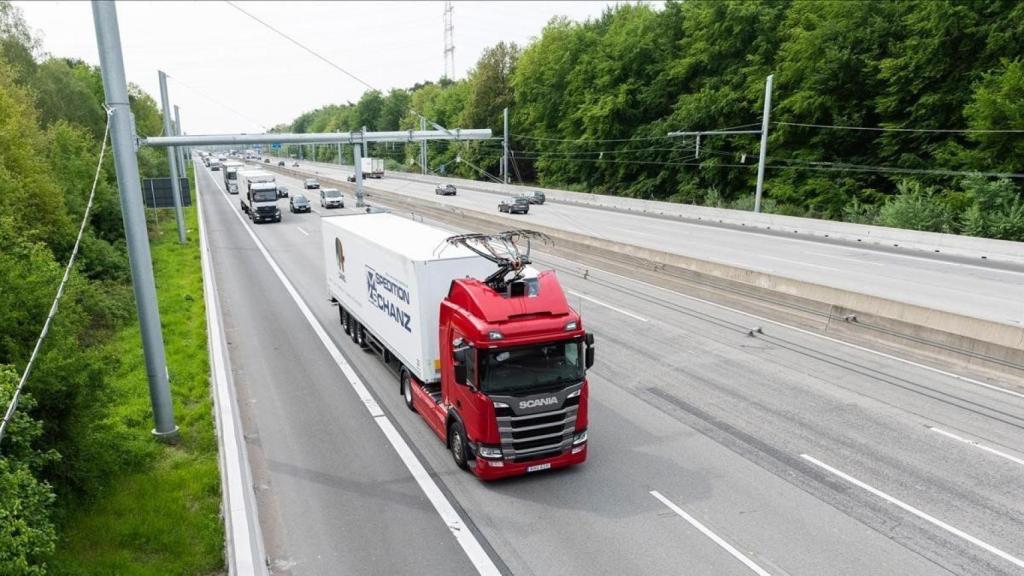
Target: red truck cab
x=512, y=397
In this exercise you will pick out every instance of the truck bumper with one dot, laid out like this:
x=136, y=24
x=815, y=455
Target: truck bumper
x=495, y=469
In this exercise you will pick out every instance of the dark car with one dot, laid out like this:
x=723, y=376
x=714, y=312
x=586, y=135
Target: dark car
x=282, y=191
x=280, y=162
x=534, y=197
x=311, y=184
x=518, y=205
x=445, y=190
x=331, y=198
x=299, y=203
x=266, y=160
x=351, y=178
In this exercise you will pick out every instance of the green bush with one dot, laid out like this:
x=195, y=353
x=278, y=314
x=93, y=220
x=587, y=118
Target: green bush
x=916, y=207
x=27, y=534
x=996, y=209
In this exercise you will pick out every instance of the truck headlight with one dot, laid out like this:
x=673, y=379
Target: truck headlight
x=500, y=404
x=579, y=438
x=489, y=452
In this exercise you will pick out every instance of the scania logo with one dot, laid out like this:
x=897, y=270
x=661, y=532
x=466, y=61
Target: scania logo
x=538, y=402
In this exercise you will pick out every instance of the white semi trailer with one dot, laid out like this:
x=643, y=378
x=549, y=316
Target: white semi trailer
x=372, y=167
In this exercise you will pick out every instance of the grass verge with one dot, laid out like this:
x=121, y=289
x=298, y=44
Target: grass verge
x=162, y=517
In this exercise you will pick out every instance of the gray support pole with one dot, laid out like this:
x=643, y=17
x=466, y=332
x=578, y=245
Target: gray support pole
x=339, y=150
x=504, y=155
x=115, y=87
x=764, y=141
x=175, y=186
x=181, y=150
x=357, y=158
x=423, y=148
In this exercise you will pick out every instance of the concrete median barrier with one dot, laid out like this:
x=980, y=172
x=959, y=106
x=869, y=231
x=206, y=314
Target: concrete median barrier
x=937, y=336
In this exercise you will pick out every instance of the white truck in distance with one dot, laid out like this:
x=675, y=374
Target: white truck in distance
x=372, y=167
x=259, y=195
x=231, y=168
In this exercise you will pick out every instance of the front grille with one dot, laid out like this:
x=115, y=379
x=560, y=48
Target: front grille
x=540, y=435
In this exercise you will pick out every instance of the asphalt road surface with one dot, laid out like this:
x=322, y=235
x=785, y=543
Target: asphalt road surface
x=972, y=289
x=711, y=451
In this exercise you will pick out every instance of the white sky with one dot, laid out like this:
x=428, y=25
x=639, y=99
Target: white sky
x=214, y=53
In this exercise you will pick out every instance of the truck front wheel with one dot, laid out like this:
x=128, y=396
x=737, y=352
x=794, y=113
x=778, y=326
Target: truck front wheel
x=406, y=380
x=457, y=441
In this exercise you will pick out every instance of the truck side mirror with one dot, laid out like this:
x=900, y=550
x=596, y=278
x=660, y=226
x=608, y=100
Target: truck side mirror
x=589, y=355
x=460, y=356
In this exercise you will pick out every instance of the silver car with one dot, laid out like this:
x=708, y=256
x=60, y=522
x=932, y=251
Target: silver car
x=331, y=198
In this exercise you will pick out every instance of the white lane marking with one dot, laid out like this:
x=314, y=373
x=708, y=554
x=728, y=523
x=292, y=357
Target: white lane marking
x=817, y=335
x=245, y=547
x=847, y=258
x=299, y=228
x=796, y=262
x=954, y=531
x=977, y=445
x=714, y=537
x=608, y=306
x=942, y=262
x=465, y=537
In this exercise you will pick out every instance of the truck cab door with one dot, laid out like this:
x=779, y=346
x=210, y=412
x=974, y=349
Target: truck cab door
x=463, y=397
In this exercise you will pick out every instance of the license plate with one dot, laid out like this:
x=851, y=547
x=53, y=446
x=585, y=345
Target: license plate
x=539, y=467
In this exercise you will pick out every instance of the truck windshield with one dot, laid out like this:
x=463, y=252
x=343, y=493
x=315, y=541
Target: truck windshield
x=232, y=175
x=264, y=195
x=529, y=368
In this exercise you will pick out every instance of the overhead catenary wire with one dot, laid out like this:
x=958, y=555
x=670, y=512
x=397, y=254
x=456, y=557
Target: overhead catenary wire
x=459, y=159
x=321, y=57
x=13, y=404
x=646, y=162
x=896, y=129
x=586, y=141
x=841, y=167
x=217, y=102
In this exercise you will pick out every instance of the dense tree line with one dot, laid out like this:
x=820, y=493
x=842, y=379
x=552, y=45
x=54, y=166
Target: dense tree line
x=592, y=102
x=62, y=447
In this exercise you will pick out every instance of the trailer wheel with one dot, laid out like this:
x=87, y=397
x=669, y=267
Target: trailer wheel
x=361, y=336
x=457, y=441
x=406, y=383
x=343, y=316
x=353, y=329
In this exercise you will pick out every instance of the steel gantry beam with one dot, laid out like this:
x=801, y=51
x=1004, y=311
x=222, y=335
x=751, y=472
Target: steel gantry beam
x=359, y=140
x=317, y=138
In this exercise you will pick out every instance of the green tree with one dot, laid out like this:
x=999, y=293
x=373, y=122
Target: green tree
x=996, y=104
